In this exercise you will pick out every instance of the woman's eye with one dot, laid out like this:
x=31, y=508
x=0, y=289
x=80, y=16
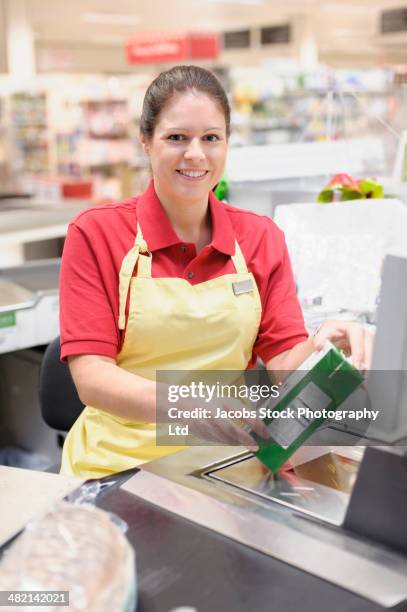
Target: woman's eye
x=212, y=137
x=176, y=137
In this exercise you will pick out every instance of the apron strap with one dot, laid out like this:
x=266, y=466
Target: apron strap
x=239, y=260
x=138, y=253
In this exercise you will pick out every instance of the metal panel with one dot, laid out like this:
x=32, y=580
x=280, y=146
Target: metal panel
x=275, y=35
x=394, y=20
x=238, y=39
x=173, y=483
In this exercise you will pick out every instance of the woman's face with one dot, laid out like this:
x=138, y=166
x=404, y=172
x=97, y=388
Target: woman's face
x=188, y=149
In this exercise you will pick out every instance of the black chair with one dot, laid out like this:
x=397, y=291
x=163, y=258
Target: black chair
x=59, y=400
x=61, y=406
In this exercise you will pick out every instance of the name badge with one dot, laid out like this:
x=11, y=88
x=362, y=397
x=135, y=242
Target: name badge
x=245, y=286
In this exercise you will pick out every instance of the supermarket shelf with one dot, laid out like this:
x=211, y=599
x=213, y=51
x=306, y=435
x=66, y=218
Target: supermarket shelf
x=109, y=135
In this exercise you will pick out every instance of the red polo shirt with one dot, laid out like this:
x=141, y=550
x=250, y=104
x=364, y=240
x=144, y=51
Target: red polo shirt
x=99, y=238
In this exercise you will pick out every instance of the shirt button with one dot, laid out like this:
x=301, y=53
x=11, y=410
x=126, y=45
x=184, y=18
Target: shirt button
x=183, y=247
x=191, y=274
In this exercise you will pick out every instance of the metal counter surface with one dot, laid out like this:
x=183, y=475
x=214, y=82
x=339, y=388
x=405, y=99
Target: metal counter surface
x=23, y=222
x=180, y=563
x=25, y=215
x=39, y=276
x=277, y=527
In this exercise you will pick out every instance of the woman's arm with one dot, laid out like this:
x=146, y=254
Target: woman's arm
x=101, y=383
x=284, y=363
x=348, y=336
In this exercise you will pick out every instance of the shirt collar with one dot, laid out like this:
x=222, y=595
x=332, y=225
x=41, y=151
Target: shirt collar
x=223, y=235
x=159, y=233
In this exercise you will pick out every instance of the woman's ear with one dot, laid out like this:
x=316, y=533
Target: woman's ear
x=144, y=143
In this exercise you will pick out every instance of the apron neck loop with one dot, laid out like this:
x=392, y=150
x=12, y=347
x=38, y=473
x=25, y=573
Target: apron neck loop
x=140, y=254
x=239, y=260
x=140, y=242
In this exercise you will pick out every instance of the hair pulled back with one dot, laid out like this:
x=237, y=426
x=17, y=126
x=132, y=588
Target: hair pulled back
x=177, y=80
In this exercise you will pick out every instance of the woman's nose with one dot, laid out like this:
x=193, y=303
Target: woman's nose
x=194, y=150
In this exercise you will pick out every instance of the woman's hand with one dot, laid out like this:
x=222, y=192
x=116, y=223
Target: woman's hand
x=208, y=426
x=350, y=337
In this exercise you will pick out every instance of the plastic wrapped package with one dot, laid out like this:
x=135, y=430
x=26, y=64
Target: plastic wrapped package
x=74, y=548
x=342, y=271
x=337, y=250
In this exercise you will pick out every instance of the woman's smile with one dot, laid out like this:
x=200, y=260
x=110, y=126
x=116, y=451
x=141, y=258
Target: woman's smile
x=192, y=175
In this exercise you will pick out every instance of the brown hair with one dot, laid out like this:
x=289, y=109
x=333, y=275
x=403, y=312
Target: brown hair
x=175, y=80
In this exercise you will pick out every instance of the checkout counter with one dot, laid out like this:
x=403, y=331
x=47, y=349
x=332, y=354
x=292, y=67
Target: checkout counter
x=33, y=230
x=31, y=240
x=220, y=546
x=182, y=562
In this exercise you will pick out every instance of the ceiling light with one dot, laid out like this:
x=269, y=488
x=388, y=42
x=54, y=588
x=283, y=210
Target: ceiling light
x=337, y=7
x=108, y=39
x=343, y=32
x=242, y=2
x=111, y=18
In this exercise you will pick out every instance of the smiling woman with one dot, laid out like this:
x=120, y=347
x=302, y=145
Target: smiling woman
x=173, y=280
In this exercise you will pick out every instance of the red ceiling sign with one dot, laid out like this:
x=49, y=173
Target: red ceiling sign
x=156, y=48
x=204, y=46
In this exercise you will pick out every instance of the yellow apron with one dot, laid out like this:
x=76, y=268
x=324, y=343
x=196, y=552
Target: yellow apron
x=172, y=325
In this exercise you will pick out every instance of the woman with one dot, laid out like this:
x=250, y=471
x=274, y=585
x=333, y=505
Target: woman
x=173, y=280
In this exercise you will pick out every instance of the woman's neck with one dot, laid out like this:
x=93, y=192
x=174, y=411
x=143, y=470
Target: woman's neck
x=191, y=220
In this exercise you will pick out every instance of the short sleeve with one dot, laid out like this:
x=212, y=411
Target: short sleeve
x=282, y=325
x=87, y=310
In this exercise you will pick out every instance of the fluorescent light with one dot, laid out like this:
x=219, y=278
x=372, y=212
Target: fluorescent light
x=108, y=39
x=343, y=32
x=111, y=18
x=242, y=2
x=337, y=7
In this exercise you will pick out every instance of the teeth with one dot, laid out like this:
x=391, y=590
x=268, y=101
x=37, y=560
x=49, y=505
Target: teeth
x=192, y=173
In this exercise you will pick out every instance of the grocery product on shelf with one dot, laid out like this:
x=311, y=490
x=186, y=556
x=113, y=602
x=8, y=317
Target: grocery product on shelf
x=30, y=137
x=100, y=147
x=3, y=147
